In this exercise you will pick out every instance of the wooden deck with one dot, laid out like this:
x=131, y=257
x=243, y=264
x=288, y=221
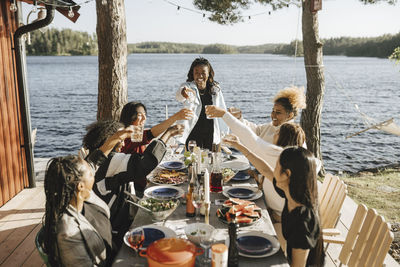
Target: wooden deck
x=21, y=217
x=20, y=220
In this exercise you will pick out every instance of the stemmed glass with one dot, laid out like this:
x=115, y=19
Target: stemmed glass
x=206, y=239
x=136, y=239
x=191, y=145
x=197, y=200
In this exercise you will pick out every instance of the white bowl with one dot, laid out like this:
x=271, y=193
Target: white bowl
x=194, y=230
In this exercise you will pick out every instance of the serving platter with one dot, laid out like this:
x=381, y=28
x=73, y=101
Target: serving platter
x=171, y=177
x=164, y=192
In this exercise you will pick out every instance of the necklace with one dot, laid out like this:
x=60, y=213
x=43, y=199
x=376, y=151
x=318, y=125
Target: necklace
x=202, y=92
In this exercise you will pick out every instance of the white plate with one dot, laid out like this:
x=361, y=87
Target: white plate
x=235, y=165
x=257, y=192
x=161, y=192
x=166, y=231
x=272, y=239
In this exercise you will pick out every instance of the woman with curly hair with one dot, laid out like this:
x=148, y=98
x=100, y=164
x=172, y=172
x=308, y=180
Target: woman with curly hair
x=287, y=104
x=118, y=172
x=201, y=89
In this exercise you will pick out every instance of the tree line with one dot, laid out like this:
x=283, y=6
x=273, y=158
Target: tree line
x=69, y=42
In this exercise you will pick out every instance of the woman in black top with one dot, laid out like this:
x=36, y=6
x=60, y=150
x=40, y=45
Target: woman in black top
x=200, y=90
x=295, y=180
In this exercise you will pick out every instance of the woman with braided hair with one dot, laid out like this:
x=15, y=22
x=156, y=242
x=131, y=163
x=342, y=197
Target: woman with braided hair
x=69, y=238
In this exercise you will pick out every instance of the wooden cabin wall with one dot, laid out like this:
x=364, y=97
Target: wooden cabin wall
x=13, y=173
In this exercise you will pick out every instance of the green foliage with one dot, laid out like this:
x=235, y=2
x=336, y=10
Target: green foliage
x=381, y=46
x=165, y=47
x=219, y=49
x=62, y=42
x=396, y=55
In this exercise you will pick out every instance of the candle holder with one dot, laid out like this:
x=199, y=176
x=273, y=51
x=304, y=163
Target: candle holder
x=207, y=212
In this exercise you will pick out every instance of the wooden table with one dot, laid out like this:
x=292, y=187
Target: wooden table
x=178, y=220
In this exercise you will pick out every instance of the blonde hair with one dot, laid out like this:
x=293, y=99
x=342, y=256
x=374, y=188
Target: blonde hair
x=291, y=98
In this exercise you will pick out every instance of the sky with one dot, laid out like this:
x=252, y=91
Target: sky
x=158, y=20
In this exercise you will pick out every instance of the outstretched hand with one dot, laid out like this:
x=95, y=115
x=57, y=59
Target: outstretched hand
x=184, y=114
x=116, y=141
x=236, y=112
x=186, y=91
x=232, y=140
x=176, y=129
x=214, y=111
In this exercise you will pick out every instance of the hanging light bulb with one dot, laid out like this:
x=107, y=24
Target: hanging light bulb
x=249, y=19
x=269, y=12
x=204, y=18
x=177, y=10
x=34, y=8
x=104, y=2
x=71, y=13
x=13, y=6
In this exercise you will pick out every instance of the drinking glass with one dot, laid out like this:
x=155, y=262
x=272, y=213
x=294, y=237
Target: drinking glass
x=259, y=180
x=136, y=239
x=137, y=135
x=207, y=116
x=197, y=200
x=191, y=145
x=206, y=240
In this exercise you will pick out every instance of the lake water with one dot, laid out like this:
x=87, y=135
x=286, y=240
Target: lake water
x=63, y=98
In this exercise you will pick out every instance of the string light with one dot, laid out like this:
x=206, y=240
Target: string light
x=34, y=8
x=177, y=10
x=204, y=18
x=55, y=4
x=13, y=6
x=71, y=13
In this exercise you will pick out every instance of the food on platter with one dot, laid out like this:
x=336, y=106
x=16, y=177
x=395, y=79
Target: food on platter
x=227, y=174
x=243, y=212
x=158, y=205
x=169, y=177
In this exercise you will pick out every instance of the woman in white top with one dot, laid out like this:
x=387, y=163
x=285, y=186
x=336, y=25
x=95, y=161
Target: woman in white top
x=287, y=103
x=200, y=90
x=289, y=134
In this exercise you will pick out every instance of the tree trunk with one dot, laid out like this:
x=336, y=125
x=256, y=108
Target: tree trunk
x=311, y=116
x=111, y=36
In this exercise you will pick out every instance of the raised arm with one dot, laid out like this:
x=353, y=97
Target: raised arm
x=261, y=165
x=183, y=114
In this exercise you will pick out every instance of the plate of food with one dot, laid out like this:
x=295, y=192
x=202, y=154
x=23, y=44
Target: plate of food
x=171, y=177
x=236, y=165
x=256, y=244
x=243, y=212
x=172, y=165
x=151, y=233
x=227, y=174
x=164, y=192
x=241, y=176
x=242, y=192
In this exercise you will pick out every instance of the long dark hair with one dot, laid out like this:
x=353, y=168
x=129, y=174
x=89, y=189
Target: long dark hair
x=290, y=134
x=212, y=85
x=60, y=183
x=303, y=186
x=129, y=112
x=98, y=132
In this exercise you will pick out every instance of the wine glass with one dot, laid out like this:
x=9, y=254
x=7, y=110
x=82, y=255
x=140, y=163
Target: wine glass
x=136, y=238
x=206, y=239
x=197, y=200
x=191, y=145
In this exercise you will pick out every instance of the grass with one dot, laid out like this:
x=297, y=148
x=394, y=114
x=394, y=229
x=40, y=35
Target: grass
x=380, y=190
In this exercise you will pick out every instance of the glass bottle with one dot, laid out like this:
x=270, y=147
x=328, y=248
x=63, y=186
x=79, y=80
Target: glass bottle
x=216, y=174
x=190, y=209
x=233, y=253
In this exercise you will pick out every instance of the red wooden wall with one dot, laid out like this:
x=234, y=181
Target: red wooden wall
x=13, y=174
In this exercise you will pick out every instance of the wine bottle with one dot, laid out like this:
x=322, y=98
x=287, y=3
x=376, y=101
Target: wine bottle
x=233, y=253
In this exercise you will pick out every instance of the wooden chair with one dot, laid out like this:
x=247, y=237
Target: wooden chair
x=331, y=197
x=367, y=242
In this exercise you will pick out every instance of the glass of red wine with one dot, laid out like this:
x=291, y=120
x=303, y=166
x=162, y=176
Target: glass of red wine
x=136, y=238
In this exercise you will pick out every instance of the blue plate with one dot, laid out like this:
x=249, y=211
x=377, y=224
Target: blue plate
x=173, y=165
x=151, y=235
x=254, y=245
x=241, y=176
x=240, y=193
x=165, y=192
